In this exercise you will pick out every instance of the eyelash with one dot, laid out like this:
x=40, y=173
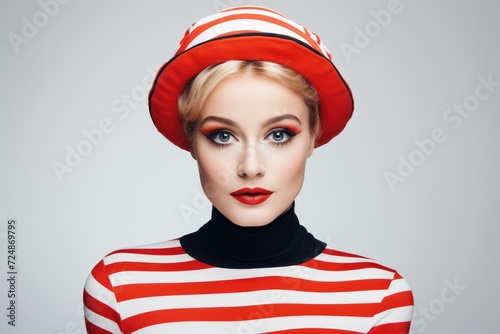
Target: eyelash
x=287, y=132
x=290, y=133
x=211, y=136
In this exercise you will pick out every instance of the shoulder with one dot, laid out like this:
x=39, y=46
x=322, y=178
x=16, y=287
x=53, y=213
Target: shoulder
x=164, y=248
x=336, y=259
x=140, y=258
x=359, y=273
x=359, y=269
x=388, y=292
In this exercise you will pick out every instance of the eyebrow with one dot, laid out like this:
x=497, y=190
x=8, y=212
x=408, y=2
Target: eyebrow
x=270, y=121
x=280, y=118
x=223, y=120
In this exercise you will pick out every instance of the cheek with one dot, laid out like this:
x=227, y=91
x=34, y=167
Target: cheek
x=207, y=168
x=291, y=168
x=208, y=178
x=215, y=171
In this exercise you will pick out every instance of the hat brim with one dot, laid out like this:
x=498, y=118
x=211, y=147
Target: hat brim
x=335, y=99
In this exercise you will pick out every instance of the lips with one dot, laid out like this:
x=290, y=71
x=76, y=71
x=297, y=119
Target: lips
x=251, y=196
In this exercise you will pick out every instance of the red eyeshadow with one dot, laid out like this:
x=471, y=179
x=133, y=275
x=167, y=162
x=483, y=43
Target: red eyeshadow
x=292, y=128
x=207, y=130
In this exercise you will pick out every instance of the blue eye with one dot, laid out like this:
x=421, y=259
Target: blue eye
x=221, y=137
x=280, y=136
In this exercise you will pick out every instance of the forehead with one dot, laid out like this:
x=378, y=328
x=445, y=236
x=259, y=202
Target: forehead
x=250, y=98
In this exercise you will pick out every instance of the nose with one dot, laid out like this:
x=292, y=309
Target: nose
x=251, y=163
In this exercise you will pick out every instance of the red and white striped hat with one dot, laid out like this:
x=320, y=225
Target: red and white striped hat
x=250, y=33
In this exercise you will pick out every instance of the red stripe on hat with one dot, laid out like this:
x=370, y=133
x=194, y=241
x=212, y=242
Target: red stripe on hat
x=304, y=33
x=193, y=34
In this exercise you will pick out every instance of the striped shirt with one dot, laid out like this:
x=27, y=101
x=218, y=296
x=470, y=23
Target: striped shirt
x=159, y=288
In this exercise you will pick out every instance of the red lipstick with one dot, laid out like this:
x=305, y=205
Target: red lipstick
x=251, y=196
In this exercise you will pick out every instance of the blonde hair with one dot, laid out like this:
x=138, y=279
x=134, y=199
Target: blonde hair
x=193, y=98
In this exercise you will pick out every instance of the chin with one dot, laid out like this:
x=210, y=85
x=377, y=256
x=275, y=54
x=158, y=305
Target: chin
x=258, y=215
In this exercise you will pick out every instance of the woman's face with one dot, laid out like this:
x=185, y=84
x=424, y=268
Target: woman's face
x=251, y=143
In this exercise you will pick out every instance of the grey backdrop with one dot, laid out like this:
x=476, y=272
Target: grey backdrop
x=413, y=181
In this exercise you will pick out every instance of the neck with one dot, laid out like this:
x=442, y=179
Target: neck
x=281, y=242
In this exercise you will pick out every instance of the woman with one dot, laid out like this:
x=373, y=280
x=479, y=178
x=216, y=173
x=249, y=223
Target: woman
x=249, y=94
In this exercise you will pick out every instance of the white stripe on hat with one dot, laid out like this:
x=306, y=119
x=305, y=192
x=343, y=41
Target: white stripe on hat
x=244, y=25
x=254, y=19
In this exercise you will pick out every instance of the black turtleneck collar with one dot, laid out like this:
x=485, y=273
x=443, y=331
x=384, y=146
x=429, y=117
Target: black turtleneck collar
x=282, y=242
